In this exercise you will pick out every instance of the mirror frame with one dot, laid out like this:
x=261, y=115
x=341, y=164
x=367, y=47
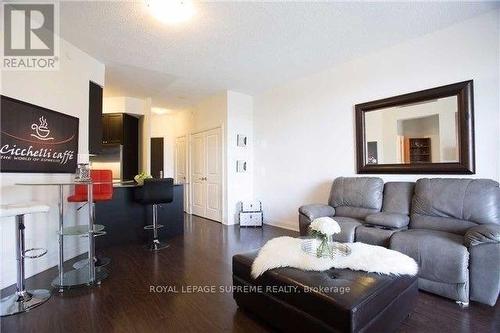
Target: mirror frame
x=466, y=153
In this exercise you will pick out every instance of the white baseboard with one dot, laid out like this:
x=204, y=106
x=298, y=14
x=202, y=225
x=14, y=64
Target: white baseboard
x=289, y=225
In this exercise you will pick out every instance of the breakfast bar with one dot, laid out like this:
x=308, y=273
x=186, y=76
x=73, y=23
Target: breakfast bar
x=125, y=219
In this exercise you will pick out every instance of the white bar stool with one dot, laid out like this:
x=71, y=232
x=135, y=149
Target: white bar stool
x=23, y=300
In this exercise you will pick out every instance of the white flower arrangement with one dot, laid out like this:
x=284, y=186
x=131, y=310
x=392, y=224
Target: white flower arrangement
x=139, y=179
x=326, y=226
x=322, y=229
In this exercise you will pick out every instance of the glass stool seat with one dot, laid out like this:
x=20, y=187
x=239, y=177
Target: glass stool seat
x=80, y=230
x=79, y=277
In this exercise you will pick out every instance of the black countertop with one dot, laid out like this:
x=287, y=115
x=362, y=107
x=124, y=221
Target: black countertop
x=119, y=185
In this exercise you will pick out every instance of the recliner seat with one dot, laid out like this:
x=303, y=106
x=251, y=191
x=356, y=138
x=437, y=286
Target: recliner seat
x=444, y=213
x=351, y=200
x=451, y=227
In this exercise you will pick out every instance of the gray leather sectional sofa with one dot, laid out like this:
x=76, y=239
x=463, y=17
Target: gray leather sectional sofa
x=450, y=226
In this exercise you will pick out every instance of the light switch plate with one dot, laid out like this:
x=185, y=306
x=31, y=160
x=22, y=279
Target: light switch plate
x=242, y=140
x=241, y=166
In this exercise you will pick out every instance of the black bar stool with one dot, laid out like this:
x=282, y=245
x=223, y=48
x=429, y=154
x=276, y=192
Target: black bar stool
x=155, y=192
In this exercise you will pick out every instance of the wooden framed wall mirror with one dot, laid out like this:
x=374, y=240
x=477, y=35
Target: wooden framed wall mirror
x=425, y=132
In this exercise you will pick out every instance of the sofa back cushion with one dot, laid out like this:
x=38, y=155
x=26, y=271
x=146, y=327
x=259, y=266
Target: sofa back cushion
x=356, y=197
x=454, y=205
x=397, y=197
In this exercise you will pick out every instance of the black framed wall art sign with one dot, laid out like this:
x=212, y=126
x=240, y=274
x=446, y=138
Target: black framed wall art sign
x=35, y=139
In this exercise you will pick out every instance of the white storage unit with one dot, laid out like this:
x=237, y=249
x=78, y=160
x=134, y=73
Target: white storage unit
x=251, y=214
x=253, y=219
x=251, y=206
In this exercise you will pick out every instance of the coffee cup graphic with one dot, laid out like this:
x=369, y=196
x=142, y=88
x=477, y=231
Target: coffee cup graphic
x=42, y=131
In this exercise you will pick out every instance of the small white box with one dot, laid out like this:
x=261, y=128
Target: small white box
x=251, y=206
x=251, y=219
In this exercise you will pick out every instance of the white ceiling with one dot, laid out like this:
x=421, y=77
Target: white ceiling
x=247, y=47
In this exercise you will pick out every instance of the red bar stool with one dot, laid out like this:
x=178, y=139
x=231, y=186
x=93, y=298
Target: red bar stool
x=102, y=191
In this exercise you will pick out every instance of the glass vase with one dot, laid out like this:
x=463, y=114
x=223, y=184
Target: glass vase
x=325, y=247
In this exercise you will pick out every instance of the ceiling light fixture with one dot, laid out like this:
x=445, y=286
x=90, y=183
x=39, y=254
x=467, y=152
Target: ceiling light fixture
x=160, y=111
x=171, y=11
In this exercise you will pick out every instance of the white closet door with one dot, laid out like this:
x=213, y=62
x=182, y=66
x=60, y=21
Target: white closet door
x=181, y=167
x=198, y=187
x=213, y=177
x=206, y=176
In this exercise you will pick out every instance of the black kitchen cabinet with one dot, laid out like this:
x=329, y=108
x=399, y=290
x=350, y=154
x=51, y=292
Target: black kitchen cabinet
x=112, y=124
x=130, y=150
x=123, y=129
x=95, y=115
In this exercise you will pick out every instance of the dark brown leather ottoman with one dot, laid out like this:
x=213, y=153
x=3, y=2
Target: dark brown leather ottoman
x=337, y=300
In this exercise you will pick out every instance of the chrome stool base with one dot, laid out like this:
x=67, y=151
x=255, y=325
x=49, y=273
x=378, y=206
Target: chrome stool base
x=22, y=302
x=99, y=262
x=156, y=245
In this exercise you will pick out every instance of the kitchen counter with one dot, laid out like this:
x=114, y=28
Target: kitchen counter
x=124, y=218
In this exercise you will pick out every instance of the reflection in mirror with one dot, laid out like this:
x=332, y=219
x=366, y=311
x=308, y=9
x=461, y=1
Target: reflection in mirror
x=424, y=132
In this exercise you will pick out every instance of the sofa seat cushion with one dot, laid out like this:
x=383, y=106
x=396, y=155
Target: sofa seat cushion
x=348, y=227
x=441, y=256
x=374, y=235
x=391, y=220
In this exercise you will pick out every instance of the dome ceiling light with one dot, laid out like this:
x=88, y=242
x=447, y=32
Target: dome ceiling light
x=171, y=11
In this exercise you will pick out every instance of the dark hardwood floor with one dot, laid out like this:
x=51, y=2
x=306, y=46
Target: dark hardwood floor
x=202, y=257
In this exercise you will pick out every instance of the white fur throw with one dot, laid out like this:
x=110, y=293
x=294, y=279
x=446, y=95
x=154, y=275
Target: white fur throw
x=287, y=252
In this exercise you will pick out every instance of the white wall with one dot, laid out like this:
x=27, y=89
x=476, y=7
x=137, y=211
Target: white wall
x=182, y=120
x=65, y=91
x=162, y=126
x=239, y=121
x=210, y=113
x=169, y=127
x=123, y=104
x=145, y=137
x=304, y=130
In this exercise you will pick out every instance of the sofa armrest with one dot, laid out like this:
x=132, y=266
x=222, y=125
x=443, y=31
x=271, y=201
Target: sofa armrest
x=481, y=234
x=391, y=220
x=315, y=211
x=483, y=242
